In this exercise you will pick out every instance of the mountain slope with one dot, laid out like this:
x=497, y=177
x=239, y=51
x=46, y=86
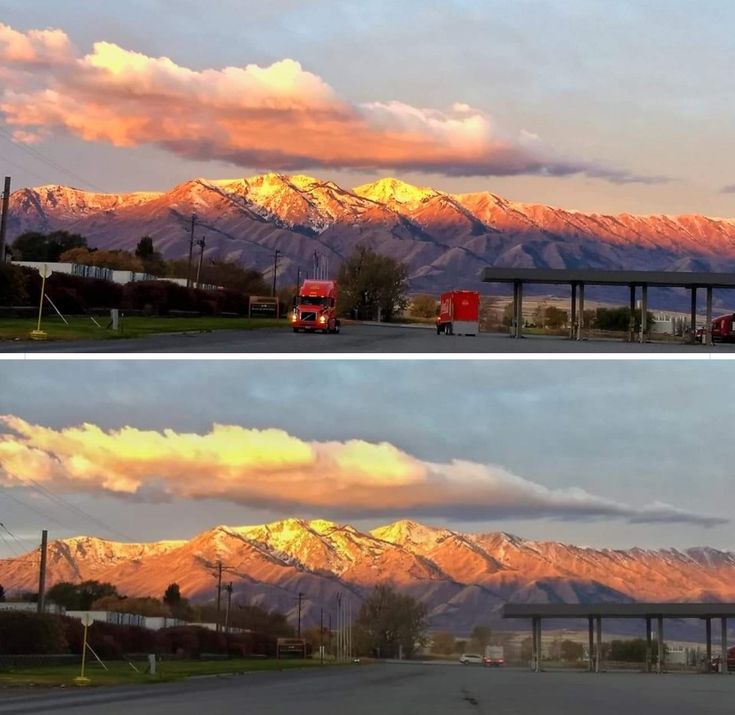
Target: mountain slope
x=445, y=239
x=463, y=578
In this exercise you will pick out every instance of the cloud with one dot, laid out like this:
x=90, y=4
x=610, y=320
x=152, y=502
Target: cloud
x=271, y=469
x=279, y=117
x=728, y=189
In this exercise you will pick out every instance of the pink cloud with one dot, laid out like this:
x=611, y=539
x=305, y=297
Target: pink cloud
x=279, y=117
x=273, y=469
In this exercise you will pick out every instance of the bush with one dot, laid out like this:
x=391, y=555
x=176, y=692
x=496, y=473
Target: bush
x=30, y=633
x=108, y=640
x=190, y=641
x=164, y=297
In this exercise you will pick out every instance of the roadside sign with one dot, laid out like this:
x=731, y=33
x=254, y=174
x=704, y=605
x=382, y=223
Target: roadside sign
x=263, y=307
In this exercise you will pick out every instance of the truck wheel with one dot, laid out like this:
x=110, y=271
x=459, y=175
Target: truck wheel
x=296, y=330
x=336, y=327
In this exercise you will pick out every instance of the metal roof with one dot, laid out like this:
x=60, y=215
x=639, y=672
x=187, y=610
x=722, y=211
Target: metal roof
x=619, y=610
x=669, y=279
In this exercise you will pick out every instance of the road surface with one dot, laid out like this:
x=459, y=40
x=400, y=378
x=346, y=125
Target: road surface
x=399, y=689
x=361, y=338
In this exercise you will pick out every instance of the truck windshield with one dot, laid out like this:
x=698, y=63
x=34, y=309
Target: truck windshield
x=311, y=300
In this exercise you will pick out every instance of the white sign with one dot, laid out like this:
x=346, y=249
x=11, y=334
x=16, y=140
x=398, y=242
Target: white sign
x=87, y=619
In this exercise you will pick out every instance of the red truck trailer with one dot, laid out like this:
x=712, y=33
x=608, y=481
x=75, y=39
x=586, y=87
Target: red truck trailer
x=723, y=328
x=315, y=307
x=459, y=313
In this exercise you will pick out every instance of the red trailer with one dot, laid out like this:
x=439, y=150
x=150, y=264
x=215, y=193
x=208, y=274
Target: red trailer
x=459, y=313
x=723, y=328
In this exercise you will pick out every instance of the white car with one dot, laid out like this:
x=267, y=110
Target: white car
x=467, y=658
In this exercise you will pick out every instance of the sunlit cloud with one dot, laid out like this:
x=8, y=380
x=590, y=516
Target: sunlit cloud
x=272, y=469
x=278, y=117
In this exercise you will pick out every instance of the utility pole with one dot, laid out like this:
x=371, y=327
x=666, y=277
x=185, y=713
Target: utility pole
x=298, y=280
x=321, y=636
x=275, y=269
x=191, y=250
x=4, y=218
x=42, y=573
x=219, y=592
x=301, y=598
x=201, y=244
x=228, y=588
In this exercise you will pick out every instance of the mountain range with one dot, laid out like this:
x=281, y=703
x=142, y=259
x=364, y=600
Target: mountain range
x=445, y=239
x=464, y=579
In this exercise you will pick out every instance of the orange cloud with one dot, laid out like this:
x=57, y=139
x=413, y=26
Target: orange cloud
x=272, y=469
x=279, y=117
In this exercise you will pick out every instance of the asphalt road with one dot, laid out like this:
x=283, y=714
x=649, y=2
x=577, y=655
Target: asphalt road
x=359, y=338
x=400, y=689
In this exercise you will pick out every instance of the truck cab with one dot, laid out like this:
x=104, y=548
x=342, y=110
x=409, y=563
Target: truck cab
x=315, y=307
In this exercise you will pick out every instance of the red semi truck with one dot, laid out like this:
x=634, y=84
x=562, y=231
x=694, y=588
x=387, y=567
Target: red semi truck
x=459, y=313
x=315, y=307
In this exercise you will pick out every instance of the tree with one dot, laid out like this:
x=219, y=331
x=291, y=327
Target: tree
x=172, y=597
x=618, y=319
x=144, y=249
x=371, y=283
x=423, y=306
x=152, y=260
x=34, y=246
x=555, y=318
x=2, y=595
x=390, y=622
x=79, y=597
x=227, y=274
x=481, y=636
x=571, y=651
x=442, y=643
x=115, y=260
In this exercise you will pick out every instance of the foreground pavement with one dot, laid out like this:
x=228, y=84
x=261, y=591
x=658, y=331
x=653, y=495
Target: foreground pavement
x=361, y=338
x=398, y=689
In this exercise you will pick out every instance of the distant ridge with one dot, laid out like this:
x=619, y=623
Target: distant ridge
x=463, y=578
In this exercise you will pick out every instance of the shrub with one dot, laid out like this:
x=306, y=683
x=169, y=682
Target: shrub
x=30, y=633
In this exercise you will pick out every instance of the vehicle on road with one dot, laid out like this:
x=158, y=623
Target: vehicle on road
x=459, y=313
x=468, y=658
x=315, y=307
x=723, y=328
x=715, y=662
x=494, y=656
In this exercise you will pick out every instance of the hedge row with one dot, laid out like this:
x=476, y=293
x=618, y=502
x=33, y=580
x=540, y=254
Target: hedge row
x=32, y=633
x=21, y=286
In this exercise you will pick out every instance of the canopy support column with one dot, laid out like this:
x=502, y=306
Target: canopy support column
x=573, y=315
x=580, y=317
x=649, y=649
x=708, y=322
x=644, y=312
x=723, y=647
x=660, y=643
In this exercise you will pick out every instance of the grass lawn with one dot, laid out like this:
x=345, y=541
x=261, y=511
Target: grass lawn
x=122, y=674
x=81, y=327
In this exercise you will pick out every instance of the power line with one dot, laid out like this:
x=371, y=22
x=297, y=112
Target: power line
x=52, y=496
x=36, y=154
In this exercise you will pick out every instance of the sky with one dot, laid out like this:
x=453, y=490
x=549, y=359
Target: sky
x=584, y=104
x=597, y=453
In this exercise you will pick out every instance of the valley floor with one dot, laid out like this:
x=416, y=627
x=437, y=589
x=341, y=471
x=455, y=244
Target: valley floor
x=356, y=338
x=398, y=689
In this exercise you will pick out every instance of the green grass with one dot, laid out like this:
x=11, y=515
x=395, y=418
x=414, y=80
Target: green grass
x=81, y=328
x=122, y=674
